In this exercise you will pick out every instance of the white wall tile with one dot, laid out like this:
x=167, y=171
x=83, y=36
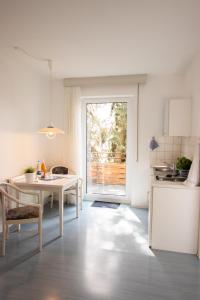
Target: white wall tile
x=168, y=151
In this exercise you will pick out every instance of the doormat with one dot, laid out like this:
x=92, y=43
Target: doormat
x=102, y=204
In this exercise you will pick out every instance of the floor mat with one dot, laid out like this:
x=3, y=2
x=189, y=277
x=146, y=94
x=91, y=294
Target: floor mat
x=112, y=205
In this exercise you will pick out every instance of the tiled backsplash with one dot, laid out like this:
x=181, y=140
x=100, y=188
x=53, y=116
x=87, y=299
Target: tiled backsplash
x=170, y=148
x=188, y=146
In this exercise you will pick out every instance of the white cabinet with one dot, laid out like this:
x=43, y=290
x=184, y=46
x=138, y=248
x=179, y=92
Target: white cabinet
x=175, y=219
x=177, y=118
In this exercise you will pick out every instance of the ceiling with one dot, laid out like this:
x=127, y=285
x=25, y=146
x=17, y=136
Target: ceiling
x=104, y=37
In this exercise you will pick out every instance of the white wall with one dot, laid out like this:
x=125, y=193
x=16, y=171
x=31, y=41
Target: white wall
x=152, y=98
x=192, y=89
x=24, y=102
x=153, y=95
x=24, y=109
x=23, y=99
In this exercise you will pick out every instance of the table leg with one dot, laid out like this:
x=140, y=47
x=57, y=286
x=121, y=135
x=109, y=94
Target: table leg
x=41, y=200
x=77, y=201
x=61, y=204
x=18, y=196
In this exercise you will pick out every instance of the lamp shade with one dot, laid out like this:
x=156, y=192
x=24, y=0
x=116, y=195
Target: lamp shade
x=50, y=131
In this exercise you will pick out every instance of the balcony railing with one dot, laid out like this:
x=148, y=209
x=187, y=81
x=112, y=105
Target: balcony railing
x=106, y=168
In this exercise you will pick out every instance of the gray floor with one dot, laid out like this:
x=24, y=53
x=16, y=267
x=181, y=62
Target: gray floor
x=103, y=255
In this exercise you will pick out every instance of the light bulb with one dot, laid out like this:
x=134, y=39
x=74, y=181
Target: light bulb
x=50, y=135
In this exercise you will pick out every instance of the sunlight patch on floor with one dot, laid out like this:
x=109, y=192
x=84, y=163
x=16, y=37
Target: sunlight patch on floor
x=111, y=226
x=128, y=214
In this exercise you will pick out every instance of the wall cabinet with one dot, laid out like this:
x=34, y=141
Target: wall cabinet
x=175, y=219
x=177, y=117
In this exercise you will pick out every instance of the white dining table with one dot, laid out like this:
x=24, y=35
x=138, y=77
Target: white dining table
x=58, y=183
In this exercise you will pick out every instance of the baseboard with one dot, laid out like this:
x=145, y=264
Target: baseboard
x=140, y=206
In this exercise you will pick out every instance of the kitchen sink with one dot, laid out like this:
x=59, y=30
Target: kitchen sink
x=165, y=172
x=162, y=168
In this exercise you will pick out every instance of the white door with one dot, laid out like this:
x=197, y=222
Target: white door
x=108, y=158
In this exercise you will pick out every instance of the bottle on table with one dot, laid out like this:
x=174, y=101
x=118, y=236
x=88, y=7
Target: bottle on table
x=43, y=169
x=38, y=169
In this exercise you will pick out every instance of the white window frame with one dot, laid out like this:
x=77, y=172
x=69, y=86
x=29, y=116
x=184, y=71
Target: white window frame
x=131, y=101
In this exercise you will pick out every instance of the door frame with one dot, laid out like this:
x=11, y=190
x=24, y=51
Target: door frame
x=131, y=142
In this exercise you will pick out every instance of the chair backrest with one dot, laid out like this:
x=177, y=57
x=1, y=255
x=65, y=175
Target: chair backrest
x=8, y=187
x=59, y=170
x=5, y=189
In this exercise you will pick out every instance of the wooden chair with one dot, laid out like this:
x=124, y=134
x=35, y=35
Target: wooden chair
x=23, y=213
x=63, y=170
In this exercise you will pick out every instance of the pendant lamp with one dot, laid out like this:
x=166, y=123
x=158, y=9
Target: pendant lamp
x=50, y=131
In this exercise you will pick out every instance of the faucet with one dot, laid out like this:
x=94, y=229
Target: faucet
x=174, y=168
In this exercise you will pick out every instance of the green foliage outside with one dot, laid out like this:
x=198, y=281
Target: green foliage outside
x=106, y=130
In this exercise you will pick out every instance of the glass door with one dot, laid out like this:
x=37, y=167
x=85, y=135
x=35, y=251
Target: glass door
x=106, y=145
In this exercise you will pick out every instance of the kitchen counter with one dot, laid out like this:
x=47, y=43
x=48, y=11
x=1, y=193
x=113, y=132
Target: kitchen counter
x=171, y=184
x=168, y=183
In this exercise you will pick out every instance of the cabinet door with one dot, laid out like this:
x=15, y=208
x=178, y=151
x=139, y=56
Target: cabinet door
x=179, y=117
x=175, y=219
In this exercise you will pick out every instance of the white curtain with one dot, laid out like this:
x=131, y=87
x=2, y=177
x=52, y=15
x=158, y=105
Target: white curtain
x=73, y=129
